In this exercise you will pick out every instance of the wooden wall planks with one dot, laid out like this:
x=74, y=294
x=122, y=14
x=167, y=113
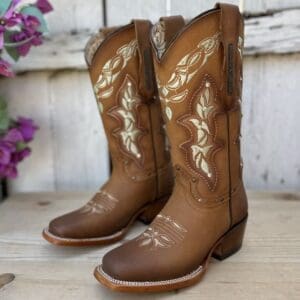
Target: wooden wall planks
x=61, y=99
x=70, y=151
x=75, y=15
x=31, y=99
x=271, y=126
x=276, y=33
x=263, y=6
x=122, y=12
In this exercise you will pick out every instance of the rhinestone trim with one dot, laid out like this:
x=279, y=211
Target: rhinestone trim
x=150, y=283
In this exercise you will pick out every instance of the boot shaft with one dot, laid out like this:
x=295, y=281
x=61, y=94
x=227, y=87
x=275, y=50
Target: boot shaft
x=121, y=70
x=199, y=77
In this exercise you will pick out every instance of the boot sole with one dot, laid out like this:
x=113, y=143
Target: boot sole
x=146, y=214
x=226, y=246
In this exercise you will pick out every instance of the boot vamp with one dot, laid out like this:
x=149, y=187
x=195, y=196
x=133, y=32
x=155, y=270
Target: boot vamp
x=109, y=211
x=176, y=243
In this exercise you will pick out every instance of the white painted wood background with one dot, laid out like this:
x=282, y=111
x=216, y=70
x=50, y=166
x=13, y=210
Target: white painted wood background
x=53, y=87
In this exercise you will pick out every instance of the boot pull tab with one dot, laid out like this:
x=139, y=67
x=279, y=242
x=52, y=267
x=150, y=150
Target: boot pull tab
x=230, y=19
x=146, y=69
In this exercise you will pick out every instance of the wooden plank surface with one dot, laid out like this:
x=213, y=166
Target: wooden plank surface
x=267, y=267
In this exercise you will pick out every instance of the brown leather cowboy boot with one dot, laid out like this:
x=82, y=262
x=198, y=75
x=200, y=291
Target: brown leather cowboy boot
x=121, y=70
x=199, y=77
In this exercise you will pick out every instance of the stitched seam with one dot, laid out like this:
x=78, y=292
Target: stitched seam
x=218, y=144
x=154, y=153
x=114, y=132
x=229, y=168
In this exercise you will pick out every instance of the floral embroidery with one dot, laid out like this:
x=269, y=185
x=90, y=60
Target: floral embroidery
x=130, y=132
x=199, y=122
x=184, y=71
x=158, y=37
x=101, y=203
x=112, y=69
x=163, y=233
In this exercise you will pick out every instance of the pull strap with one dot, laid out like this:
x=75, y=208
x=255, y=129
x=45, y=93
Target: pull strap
x=172, y=26
x=146, y=70
x=230, y=19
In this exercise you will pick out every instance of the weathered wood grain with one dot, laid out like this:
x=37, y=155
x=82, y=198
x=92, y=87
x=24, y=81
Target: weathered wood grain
x=191, y=8
x=71, y=16
x=270, y=126
x=267, y=267
x=277, y=33
x=122, y=12
x=263, y=6
x=78, y=140
x=188, y=8
x=69, y=151
x=31, y=99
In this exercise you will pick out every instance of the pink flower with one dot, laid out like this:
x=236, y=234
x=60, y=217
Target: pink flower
x=14, y=146
x=18, y=156
x=9, y=171
x=29, y=35
x=5, y=68
x=30, y=23
x=13, y=136
x=9, y=19
x=44, y=6
x=6, y=150
x=27, y=128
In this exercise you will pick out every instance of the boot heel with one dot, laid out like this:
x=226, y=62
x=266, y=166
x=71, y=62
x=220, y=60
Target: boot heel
x=152, y=210
x=231, y=242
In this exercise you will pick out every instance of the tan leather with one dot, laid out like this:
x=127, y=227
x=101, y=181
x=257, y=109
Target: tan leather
x=121, y=71
x=199, y=80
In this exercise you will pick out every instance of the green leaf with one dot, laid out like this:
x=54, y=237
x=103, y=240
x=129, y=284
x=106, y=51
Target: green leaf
x=31, y=10
x=4, y=5
x=4, y=120
x=3, y=104
x=20, y=146
x=11, y=51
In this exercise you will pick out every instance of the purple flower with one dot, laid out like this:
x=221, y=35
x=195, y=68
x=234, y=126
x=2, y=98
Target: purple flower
x=30, y=23
x=9, y=171
x=9, y=19
x=5, y=152
x=18, y=156
x=29, y=35
x=27, y=128
x=44, y=6
x=14, y=135
x=5, y=68
x=24, y=153
x=14, y=147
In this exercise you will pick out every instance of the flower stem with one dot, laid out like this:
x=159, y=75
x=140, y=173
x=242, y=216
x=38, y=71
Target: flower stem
x=16, y=44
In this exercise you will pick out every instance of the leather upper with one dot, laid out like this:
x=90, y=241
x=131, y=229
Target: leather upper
x=199, y=78
x=141, y=170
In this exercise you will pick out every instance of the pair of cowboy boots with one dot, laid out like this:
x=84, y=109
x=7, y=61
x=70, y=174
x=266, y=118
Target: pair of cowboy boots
x=190, y=189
